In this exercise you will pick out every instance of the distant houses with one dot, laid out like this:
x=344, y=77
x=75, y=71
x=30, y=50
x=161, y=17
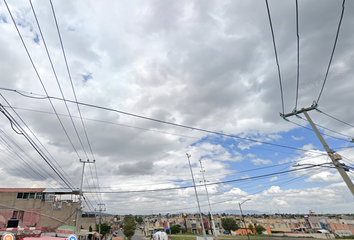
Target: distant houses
x=274, y=224
x=51, y=209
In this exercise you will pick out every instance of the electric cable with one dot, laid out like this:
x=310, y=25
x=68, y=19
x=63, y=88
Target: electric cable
x=221, y=182
x=1, y=106
x=139, y=128
x=36, y=171
x=334, y=48
x=56, y=78
x=34, y=212
x=341, y=139
x=121, y=184
x=33, y=144
x=230, y=173
x=276, y=56
x=11, y=165
x=35, y=69
x=282, y=183
x=298, y=54
x=342, y=134
x=350, y=125
x=175, y=124
x=74, y=92
x=88, y=184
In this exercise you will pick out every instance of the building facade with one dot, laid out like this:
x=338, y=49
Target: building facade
x=38, y=207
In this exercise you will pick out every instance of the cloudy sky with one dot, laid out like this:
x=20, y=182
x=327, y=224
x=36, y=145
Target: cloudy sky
x=146, y=82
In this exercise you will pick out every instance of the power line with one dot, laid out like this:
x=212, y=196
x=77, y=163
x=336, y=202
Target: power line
x=11, y=149
x=13, y=121
x=35, y=69
x=71, y=81
x=171, y=123
x=350, y=125
x=342, y=134
x=276, y=56
x=56, y=78
x=165, y=122
x=334, y=47
x=62, y=94
x=186, y=180
x=310, y=129
x=298, y=55
x=215, y=183
x=262, y=188
x=135, y=127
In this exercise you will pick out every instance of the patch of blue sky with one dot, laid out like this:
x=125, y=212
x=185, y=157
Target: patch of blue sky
x=86, y=77
x=269, y=159
x=3, y=19
x=36, y=38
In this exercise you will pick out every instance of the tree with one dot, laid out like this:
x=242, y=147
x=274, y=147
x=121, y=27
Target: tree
x=250, y=227
x=105, y=228
x=90, y=228
x=129, y=226
x=139, y=219
x=175, y=229
x=229, y=224
x=260, y=229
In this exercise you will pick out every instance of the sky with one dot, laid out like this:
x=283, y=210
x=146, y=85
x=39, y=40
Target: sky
x=148, y=83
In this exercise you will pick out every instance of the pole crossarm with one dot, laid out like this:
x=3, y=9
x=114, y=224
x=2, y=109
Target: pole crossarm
x=296, y=112
x=335, y=157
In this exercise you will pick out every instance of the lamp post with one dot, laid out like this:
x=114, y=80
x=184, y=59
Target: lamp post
x=242, y=220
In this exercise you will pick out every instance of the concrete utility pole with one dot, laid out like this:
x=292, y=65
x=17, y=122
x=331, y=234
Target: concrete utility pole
x=100, y=209
x=206, y=190
x=335, y=157
x=242, y=219
x=78, y=210
x=196, y=195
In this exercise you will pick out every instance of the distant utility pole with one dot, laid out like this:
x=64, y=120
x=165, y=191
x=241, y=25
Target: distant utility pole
x=242, y=218
x=196, y=195
x=335, y=157
x=206, y=190
x=78, y=210
x=100, y=209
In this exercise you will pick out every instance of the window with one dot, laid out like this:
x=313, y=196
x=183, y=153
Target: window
x=18, y=215
x=49, y=197
x=25, y=195
x=20, y=195
x=38, y=195
x=31, y=195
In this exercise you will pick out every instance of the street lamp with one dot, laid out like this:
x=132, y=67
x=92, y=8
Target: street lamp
x=242, y=220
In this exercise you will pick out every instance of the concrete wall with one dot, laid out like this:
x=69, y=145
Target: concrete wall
x=36, y=212
x=86, y=222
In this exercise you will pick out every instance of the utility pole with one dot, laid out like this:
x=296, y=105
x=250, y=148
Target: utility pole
x=206, y=190
x=242, y=219
x=100, y=209
x=78, y=210
x=196, y=195
x=335, y=157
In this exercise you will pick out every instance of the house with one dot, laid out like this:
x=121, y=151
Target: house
x=38, y=207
